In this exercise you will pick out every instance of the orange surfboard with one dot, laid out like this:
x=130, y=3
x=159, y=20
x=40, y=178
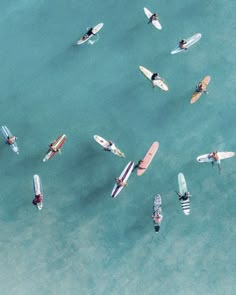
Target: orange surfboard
x=197, y=94
x=148, y=158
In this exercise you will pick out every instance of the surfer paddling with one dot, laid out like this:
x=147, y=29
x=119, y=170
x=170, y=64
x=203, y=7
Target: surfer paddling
x=120, y=182
x=11, y=139
x=215, y=157
x=183, y=197
x=182, y=44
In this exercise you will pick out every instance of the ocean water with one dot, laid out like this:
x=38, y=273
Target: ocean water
x=83, y=241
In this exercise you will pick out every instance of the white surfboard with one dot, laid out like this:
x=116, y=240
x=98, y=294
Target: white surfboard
x=124, y=177
x=104, y=143
x=190, y=41
x=95, y=30
x=37, y=189
x=155, y=23
x=6, y=132
x=222, y=155
x=148, y=74
x=185, y=204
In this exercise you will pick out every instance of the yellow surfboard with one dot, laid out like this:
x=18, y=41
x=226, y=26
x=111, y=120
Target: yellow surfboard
x=197, y=94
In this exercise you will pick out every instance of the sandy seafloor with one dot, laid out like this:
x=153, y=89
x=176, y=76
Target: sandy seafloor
x=83, y=241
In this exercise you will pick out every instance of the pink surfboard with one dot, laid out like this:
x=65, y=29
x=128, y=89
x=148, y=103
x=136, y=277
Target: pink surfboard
x=148, y=158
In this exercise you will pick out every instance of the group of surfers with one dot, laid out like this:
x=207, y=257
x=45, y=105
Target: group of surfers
x=182, y=45
x=39, y=198
x=157, y=216
x=120, y=183
x=155, y=76
x=111, y=146
x=11, y=140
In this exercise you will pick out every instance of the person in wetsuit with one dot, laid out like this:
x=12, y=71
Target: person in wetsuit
x=153, y=17
x=184, y=197
x=88, y=34
x=182, y=44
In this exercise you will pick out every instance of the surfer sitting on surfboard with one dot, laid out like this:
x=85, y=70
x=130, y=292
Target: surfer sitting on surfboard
x=199, y=88
x=37, y=199
x=184, y=197
x=182, y=44
x=153, y=17
x=157, y=217
x=88, y=34
x=11, y=139
x=215, y=157
x=110, y=147
x=154, y=77
x=53, y=149
x=120, y=182
x=138, y=165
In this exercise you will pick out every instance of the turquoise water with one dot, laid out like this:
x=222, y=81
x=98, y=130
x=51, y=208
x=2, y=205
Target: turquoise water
x=84, y=242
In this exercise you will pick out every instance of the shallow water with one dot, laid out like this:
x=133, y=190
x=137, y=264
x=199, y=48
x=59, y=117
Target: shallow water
x=83, y=241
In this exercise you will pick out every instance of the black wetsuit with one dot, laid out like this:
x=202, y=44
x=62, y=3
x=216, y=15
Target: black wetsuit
x=90, y=32
x=154, y=76
x=184, y=197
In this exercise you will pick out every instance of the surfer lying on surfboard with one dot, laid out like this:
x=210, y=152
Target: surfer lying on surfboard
x=184, y=197
x=120, y=182
x=11, y=139
x=215, y=157
x=182, y=44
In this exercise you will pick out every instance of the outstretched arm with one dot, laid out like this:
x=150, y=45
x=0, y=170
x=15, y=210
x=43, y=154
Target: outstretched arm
x=178, y=194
